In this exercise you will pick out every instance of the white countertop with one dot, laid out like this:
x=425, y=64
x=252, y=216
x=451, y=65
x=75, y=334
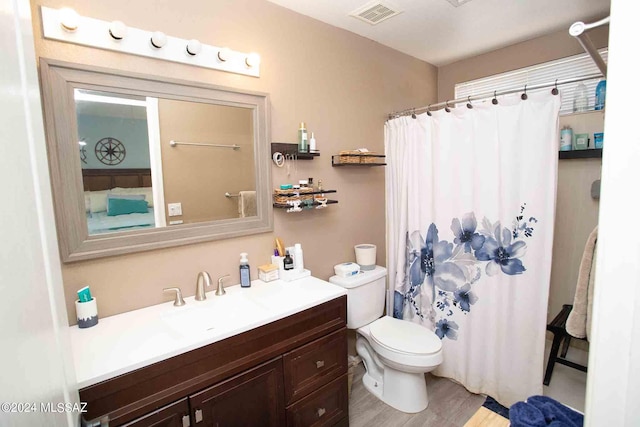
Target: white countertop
x=128, y=341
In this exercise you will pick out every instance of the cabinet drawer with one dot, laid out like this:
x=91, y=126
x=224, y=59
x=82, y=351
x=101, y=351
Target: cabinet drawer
x=311, y=366
x=325, y=407
x=174, y=415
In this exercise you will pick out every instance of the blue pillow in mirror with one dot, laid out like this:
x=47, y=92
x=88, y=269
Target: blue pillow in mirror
x=123, y=196
x=120, y=206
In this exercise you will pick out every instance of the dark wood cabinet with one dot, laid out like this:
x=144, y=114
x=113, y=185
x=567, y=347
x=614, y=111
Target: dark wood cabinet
x=174, y=415
x=254, y=398
x=328, y=406
x=278, y=374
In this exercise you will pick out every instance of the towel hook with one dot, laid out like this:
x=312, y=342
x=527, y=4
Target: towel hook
x=554, y=91
x=494, y=101
x=446, y=108
x=469, y=104
x=524, y=95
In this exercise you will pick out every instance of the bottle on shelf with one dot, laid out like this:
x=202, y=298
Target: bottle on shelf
x=601, y=92
x=580, y=98
x=303, y=146
x=566, y=138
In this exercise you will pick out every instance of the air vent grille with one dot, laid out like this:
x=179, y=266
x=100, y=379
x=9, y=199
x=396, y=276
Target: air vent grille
x=456, y=3
x=375, y=12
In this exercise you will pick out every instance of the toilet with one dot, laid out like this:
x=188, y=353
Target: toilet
x=396, y=353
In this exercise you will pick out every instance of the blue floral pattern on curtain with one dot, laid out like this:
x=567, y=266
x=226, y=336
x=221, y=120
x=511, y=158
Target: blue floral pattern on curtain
x=447, y=271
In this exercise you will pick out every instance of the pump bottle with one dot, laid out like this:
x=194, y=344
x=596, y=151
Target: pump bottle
x=245, y=271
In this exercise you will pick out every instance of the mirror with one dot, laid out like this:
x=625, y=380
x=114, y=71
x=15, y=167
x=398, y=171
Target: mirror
x=140, y=162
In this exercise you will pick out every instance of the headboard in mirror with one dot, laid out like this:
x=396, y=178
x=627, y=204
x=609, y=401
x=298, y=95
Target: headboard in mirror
x=126, y=149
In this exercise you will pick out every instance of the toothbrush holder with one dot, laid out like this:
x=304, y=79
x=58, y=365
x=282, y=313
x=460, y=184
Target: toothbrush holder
x=87, y=313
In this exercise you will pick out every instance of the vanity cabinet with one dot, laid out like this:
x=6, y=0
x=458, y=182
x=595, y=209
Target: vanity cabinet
x=173, y=415
x=291, y=372
x=253, y=398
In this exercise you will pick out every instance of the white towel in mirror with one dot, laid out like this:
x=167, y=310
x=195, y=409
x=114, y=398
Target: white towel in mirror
x=247, y=204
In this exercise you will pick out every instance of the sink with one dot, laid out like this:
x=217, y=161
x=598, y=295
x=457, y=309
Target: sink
x=216, y=314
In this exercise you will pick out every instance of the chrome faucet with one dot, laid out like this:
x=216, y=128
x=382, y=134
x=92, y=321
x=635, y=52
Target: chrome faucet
x=206, y=280
x=220, y=290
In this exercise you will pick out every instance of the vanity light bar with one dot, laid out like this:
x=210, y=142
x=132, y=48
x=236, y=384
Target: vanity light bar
x=100, y=34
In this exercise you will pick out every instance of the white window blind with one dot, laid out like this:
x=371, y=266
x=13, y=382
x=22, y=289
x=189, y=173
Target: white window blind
x=548, y=72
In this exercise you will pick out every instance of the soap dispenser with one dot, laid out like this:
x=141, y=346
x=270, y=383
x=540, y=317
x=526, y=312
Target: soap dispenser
x=245, y=272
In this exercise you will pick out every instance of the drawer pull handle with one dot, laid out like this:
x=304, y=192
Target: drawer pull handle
x=198, y=415
x=319, y=364
x=185, y=421
x=321, y=412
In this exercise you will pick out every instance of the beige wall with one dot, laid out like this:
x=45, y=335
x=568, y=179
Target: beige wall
x=531, y=52
x=198, y=177
x=576, y=212
x=340, y=84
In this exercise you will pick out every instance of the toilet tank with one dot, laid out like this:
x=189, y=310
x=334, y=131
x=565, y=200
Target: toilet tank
x=365, y=295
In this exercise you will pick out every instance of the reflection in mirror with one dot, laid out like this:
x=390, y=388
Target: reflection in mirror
x=212, y=179
x=141, y=162
x=116, y=167
x=198, y=176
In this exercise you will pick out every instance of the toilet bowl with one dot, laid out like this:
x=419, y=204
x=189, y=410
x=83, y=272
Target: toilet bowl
x=396, y=353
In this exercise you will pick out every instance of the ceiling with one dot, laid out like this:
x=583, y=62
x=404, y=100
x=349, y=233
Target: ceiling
x=439, y=33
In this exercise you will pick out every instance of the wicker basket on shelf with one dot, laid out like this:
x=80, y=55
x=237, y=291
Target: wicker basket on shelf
x=281, y=197
x=356, y=156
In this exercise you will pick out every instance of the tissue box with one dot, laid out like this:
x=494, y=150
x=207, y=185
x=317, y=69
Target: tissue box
x=346, y=269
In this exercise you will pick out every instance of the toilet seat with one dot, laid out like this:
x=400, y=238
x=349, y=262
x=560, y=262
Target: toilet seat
x=404, y=337
x=404, y=345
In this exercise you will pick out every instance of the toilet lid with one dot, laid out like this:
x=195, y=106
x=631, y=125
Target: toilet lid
x=404, y=336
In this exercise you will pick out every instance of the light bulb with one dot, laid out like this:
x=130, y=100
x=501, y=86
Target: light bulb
x=194, y=47
x=158, y=39
x=224, y=53
x=252, y=60
x=69, y=19
x=117, y=30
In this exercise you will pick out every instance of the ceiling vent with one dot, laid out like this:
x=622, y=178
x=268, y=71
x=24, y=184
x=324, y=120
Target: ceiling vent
x=456, y=3
x=375, y=12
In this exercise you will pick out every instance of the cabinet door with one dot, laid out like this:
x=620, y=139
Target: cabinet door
x=173, y=415
x=252, y=398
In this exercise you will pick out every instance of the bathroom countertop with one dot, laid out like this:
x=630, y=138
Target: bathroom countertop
x=128, y=341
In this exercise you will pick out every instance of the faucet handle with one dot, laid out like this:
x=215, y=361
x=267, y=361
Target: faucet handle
x=220, y=290
x=178, y=301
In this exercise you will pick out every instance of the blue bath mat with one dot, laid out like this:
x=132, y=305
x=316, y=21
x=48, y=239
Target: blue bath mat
x=491, y=404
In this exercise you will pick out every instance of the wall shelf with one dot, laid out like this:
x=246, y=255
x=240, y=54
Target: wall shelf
x=290, y=148
x=305, y=202
x=591, y=153
x=357, y=160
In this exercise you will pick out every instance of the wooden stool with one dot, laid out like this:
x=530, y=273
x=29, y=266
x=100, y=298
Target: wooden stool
x=557, y=327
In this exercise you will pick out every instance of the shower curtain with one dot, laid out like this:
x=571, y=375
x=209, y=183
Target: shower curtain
x=470, y=208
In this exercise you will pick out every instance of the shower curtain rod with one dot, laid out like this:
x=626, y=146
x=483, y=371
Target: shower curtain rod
x=487, y=95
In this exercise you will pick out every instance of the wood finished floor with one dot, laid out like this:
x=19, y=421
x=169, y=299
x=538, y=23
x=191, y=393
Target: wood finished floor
x=450, y=405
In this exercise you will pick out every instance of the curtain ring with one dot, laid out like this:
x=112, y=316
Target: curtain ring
x=555, y=91
x=413, y=115
x=446, y=108
x=524, y=95
x=428, y=110
x=469, y=104
x=494, y=101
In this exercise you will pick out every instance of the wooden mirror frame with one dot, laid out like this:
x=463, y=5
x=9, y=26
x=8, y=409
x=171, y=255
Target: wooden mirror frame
x=58, y=81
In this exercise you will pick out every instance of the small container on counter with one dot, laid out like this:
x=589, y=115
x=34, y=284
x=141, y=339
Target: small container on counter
x=268, y=272
x=581, y=141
